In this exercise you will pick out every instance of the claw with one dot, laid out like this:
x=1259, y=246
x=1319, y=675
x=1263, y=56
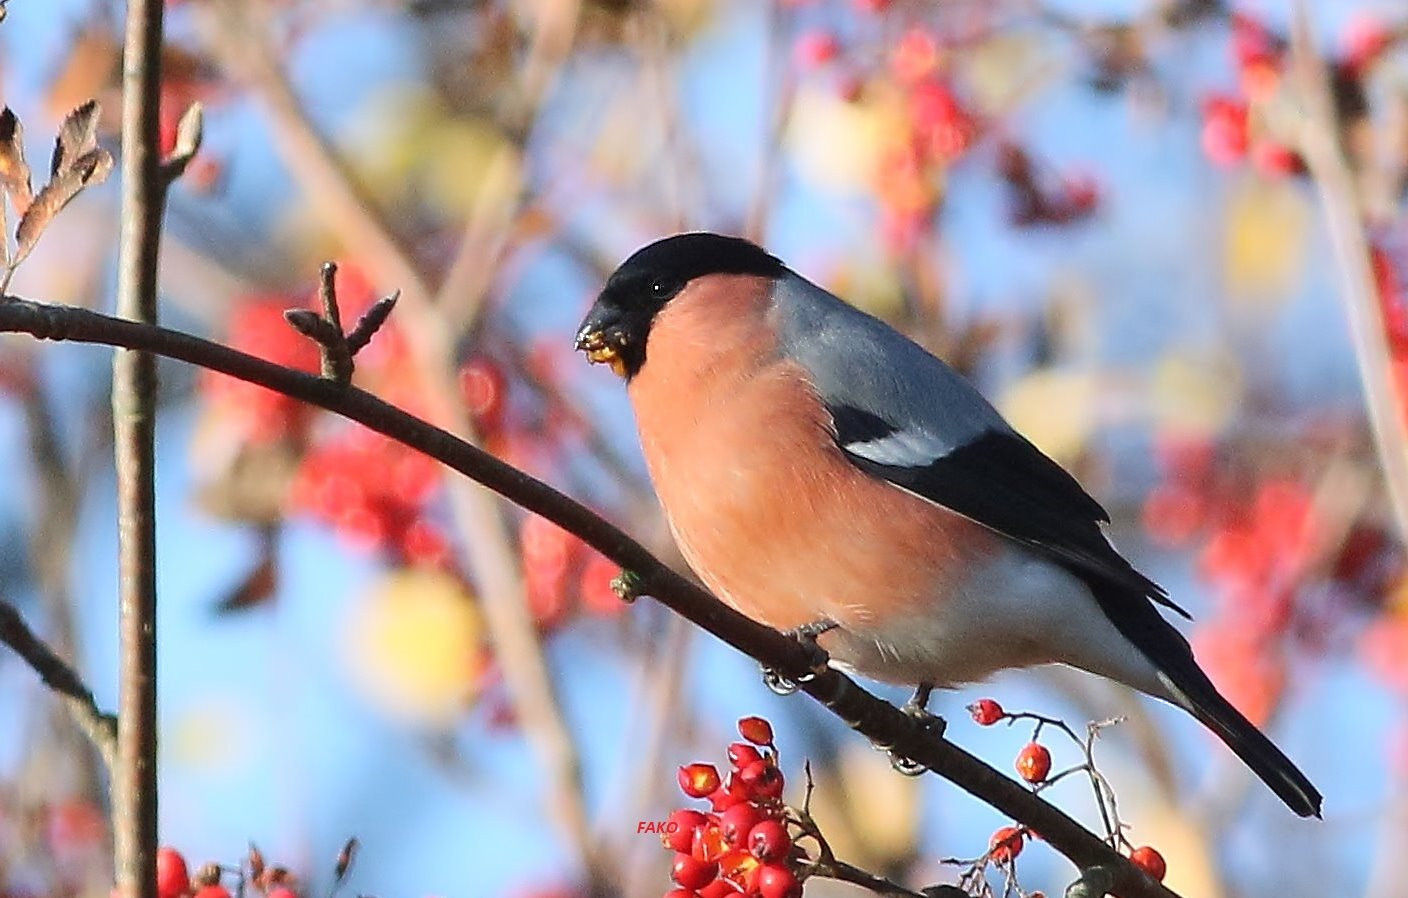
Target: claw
x=817, y=658
x=917, y=708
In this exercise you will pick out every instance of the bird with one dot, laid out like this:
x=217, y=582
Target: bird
x=825, y=475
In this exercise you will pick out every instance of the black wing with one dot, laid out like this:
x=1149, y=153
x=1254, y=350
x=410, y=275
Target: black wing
x=1003, y=482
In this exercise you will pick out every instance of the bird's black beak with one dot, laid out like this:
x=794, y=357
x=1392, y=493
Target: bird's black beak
x=602, y=338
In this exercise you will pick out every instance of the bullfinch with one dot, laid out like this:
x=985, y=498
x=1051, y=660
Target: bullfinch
x=826, y=476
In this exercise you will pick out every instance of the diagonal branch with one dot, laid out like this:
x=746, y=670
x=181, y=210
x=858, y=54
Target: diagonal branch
x=881, y=722
x=56, y=673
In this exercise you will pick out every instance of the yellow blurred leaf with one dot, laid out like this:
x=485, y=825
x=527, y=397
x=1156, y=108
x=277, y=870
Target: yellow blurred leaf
x=836, y=144
x=414, y=645
x=407, y=139
x=1264, y=240
x=1055, y=409
x=997, y=69
x=873, y=288
x=469, y=163
x=1195, y=395
x=211, y=734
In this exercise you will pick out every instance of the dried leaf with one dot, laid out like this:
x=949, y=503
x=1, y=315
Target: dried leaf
x=14, y=171
x=256, y=589
x=345, y=858
x=88, y=169
x=78, y=136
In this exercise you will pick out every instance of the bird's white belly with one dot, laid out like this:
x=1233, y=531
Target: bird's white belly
x=1018, y=610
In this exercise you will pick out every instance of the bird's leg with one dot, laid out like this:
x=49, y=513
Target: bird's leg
x=918, y=709
x=817, y=658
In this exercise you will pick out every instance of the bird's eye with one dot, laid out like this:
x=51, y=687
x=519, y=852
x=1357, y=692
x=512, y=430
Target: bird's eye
x=659, y=288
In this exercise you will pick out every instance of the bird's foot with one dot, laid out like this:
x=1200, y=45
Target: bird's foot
x=817, y=658
x=917, y=708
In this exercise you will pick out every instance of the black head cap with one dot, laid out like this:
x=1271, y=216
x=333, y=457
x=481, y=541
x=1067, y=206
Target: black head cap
x=618, y=323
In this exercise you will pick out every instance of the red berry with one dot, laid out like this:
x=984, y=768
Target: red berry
x=707, y=844
x=483, y=386
x=698, y=780
x=680, y=827
x=1276, y=159
x=756, y=730
x=681, y=893
x=776, y=881
x=761, y=780
x=1150, y=861
x=1005, y=844
x=281, y=892
x=1034, y=762
x=915, y=56
x=692, y=874
x=738, y=821
x=723, y=798
x=816, y=48
x=741, y=869
x=769, y=841
x=741, y=754
x=1224, y=129
x=212, y=891
x=1173, y=513
x=1365, y=39
x=719, y=888
x=172, y=876
x=986, y=712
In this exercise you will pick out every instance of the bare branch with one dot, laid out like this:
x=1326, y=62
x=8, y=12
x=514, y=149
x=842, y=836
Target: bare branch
x=100, y=727
x=1320, y=144
x=134, y=391
x=879, y=721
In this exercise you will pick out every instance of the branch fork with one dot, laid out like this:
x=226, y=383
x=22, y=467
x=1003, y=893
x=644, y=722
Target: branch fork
x=336, y=347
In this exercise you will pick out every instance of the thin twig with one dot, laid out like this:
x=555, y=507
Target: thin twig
x=56, y=673
x=134, y=389
x=1321, y=146
x=826, y=865
x=881, y=722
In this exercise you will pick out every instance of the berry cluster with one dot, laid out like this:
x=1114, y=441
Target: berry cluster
x=931, y=124
x=1033, y=765
x=1262, y=544
x=557, y=567
x=174, y=879
x=1250, y=124
x=376, y=493
x=742, y=845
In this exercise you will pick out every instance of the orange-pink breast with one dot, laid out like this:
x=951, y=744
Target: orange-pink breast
x=763, y=504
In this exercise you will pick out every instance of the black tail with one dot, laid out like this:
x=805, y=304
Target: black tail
x=1202, y=700
x=1140, y=622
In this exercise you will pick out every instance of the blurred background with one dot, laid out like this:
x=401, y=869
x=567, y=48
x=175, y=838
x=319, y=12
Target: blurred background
x=1095, y=208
